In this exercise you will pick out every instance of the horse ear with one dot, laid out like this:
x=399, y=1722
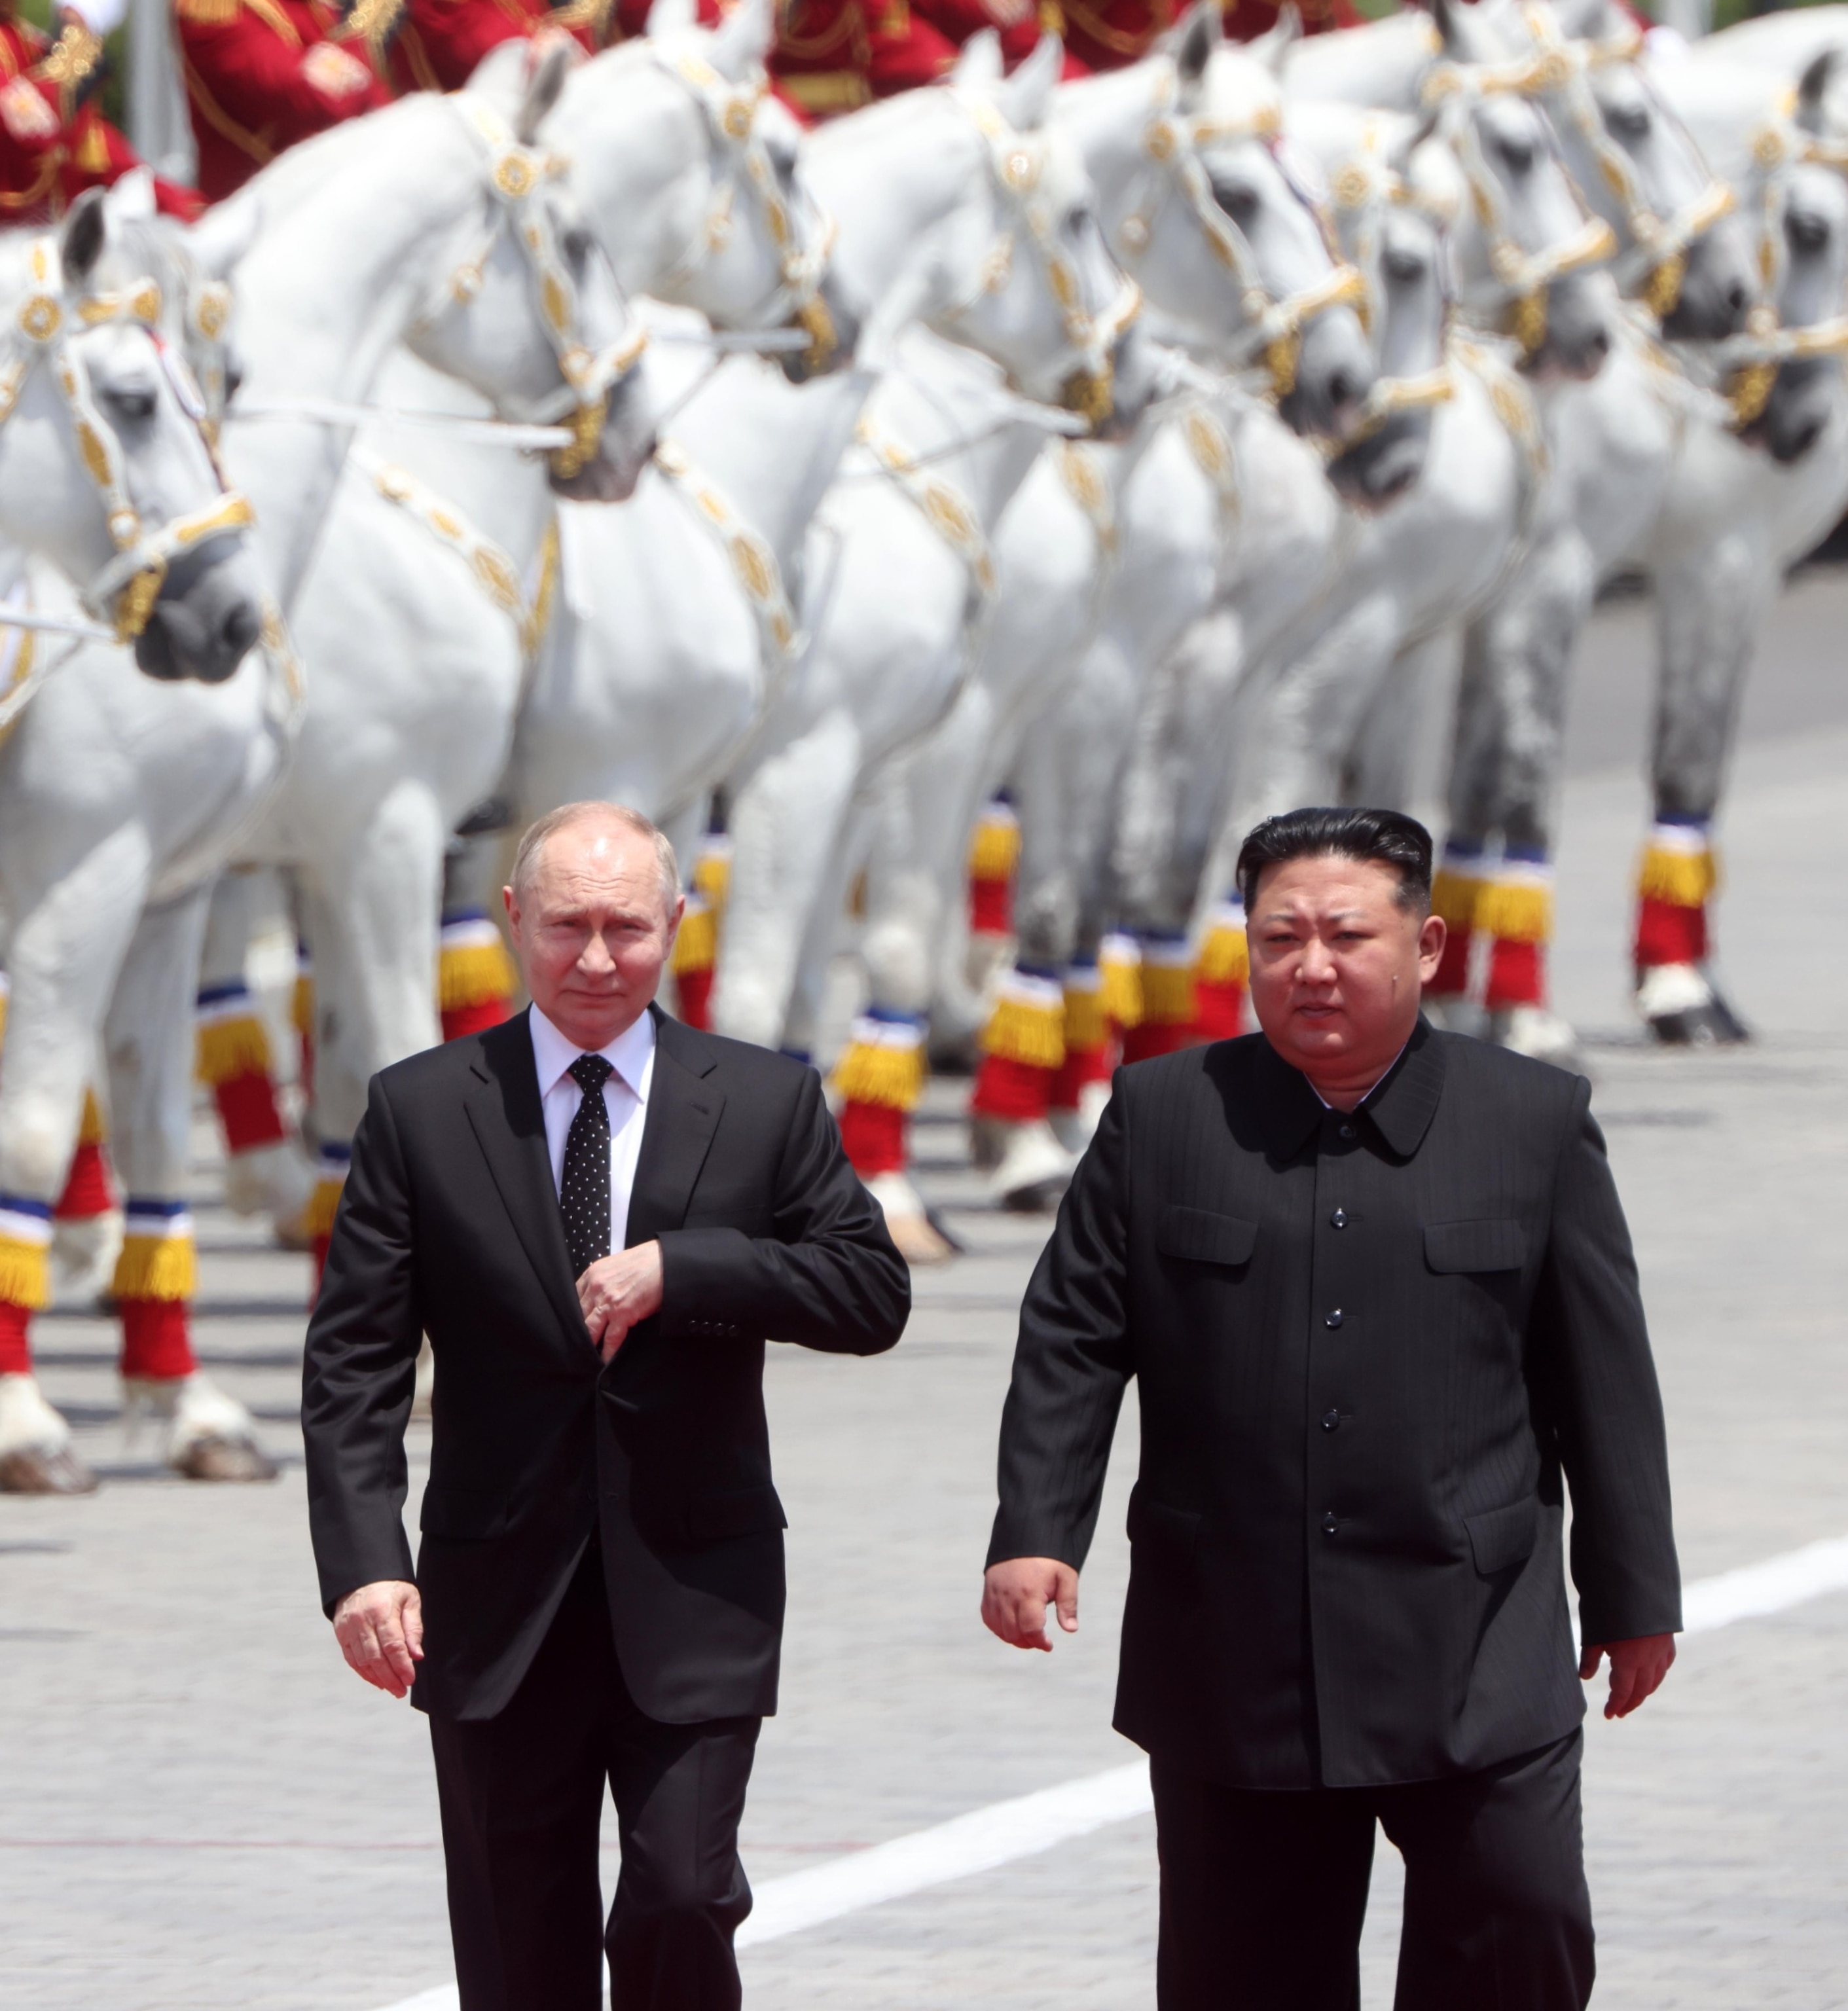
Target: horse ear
x=978, y=68
x=85, y=232
x=1275, y=43
x=1200, y=32
x=542, y=88
x=672, y=17
x=1812, y=88
x=131, y=198
x=1025, y=97
x=741, y=41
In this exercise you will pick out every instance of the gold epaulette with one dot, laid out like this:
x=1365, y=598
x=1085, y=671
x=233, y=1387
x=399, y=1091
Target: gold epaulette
x=209, y=13
x=72, y=57
x=370, y=22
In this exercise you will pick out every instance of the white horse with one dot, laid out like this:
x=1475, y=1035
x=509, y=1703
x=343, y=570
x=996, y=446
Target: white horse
x=111, y=827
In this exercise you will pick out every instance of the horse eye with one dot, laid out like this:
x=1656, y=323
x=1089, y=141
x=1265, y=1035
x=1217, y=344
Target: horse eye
x=133, y=404
x=1237, y=199
x=1518, y=152
x=1629, y=122
x=1806, y=232
x=576, y=244
x=1403, y=267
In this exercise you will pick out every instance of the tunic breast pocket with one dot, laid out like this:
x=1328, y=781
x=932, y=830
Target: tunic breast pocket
x=1199, y=1235
x=1475, y=1246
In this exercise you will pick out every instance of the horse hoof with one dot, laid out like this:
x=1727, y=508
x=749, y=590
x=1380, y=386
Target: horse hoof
x=1533, y=1031
x=1035, y=1172
x=1712, y=1025
x=216, y=1457
x=29, y=1471
x=987, y=1142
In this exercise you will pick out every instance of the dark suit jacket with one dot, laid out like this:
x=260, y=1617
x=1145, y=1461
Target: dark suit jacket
x=450, y=1225
x=1366, y=1347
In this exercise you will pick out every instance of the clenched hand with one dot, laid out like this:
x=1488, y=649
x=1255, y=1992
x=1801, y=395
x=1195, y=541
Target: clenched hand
x=380, y=1631
x=617, y=1292
x=1015, y=1595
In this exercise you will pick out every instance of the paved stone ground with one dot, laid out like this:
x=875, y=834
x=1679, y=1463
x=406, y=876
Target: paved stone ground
x=198, y=1808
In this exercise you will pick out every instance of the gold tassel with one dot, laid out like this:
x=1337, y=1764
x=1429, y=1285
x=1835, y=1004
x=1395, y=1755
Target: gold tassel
x=1453, y=895
x=712, y=876
x=869, y=1071
x=1682, y=879
x=995, y=850
x=1167, y=994
x=91, y=1130
x=1119, y=991
x=1515, y=910
x=1084, y=1025
x=323, y=1204
x=1225, y=956
x=209, y=13
x=225, y=1049
x=468, y=973
x=695, y=949
x=301, y=1005
x=157, y=1267
x=25, y=1274
x=1019, y=1030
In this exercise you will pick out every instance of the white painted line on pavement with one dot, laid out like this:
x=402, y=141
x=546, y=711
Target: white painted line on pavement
x=987, y=1838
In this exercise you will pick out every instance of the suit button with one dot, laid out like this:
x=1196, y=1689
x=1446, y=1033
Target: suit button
x=1333, y=1318
x=1330, y=1524
x=1331, y=1421
x=1339, y=1219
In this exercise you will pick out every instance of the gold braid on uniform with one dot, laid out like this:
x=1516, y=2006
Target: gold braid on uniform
x=72, y=61
x=594, y=15
x=370, y=22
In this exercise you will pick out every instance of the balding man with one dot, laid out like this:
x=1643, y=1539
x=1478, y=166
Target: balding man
x=598, y=1216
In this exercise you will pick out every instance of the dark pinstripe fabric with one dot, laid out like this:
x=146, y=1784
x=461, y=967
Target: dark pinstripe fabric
x=1346, y=1529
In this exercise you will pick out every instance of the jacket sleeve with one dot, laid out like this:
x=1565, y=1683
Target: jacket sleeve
x=359, y=1369
x=1072, y=1361
x=1589, y=1344
x=828, y=1276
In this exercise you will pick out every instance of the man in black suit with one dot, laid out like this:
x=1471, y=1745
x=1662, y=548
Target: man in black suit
x=1377, y=1291
x=598, y=1216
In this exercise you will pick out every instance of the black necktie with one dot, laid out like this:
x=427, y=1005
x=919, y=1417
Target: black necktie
x=584, y=1192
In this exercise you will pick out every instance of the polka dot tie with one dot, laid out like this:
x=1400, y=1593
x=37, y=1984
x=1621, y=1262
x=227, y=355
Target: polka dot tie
x=584, y=1193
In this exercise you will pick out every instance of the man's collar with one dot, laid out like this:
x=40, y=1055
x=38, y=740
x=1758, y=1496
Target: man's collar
x=628, y=1054
x=1402, y=1105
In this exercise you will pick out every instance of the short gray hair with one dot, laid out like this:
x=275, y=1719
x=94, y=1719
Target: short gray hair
x=535, y=838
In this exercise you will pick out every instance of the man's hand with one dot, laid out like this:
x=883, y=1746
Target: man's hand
x=1637, y=1668
x=617, y=1292
x=1015, y=1595
x=380, y=1631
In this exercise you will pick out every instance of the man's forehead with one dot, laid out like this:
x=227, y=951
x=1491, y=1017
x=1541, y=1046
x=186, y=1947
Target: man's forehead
x=1329, y=879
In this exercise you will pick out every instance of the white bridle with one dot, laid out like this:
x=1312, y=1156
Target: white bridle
x=43, y=331
x=1273, y=324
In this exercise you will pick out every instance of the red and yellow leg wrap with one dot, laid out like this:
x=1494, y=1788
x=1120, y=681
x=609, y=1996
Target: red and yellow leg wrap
x=696, y=960
x=1167, y=1022
x=1023, y=1048
x=1679, y=873
x=324, y=1202
x=1455, y=888
x=1514, y=910
x=301, y=1017
x=474, y=975
x=994, y=858
x=156, y=1276
x=1222, y=975
x=233, y=1060
x=1089, y=1045
x=1119, y=982
x=89, y=1191
x=879, y=1077
x=25, y=1276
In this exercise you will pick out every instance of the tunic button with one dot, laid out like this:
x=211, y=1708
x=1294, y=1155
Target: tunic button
x=1332, y=1422
x=1346, y=1131
x=1330, y=1524
x=1339, y=1219
x=1333, y=1318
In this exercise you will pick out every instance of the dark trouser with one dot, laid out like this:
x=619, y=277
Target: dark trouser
x=521, y=1796
x=1263, y=1893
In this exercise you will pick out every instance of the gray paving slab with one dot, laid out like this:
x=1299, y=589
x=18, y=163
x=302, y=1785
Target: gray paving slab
x=199, y=1807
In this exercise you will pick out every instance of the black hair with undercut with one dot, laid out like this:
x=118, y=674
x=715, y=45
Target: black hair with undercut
x=1385, y=837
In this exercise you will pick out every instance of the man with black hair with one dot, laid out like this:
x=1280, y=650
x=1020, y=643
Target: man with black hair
x=1377, y=1289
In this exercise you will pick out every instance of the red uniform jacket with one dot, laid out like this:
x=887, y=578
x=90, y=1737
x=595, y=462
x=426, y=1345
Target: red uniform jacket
x=256, y=82
x=54, y=142
x=439, y=42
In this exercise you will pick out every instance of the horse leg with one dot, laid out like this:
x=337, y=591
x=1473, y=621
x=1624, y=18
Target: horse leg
x=1708, y=607
x=64, y=952
x=265, y=1172
x=149, y=1043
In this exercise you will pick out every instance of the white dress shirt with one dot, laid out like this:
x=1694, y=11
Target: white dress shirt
x=631, y=1056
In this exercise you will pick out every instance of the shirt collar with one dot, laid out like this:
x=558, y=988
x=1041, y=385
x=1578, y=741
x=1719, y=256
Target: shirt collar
x=1401, y=1105
x=628, y=1054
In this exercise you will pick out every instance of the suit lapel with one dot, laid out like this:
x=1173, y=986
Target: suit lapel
x=503, y=1107
x=684, y=1103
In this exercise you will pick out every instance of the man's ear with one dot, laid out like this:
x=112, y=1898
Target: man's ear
x=1431, y=936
